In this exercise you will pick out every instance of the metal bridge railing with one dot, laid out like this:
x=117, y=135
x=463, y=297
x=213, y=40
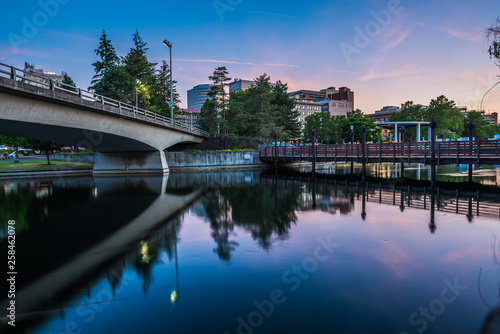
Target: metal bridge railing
x=17, y=74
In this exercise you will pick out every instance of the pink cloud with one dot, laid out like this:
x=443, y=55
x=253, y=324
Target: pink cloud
x=402, y=36
x=234, y=62
x=404, y=71
x=464, y=35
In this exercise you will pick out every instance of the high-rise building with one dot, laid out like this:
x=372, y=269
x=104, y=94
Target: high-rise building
x=239, y=85
x=198, y=95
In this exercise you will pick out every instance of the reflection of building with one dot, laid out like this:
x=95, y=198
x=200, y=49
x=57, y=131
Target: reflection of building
x=30, y=68
x=330, y=204
x=198, y=95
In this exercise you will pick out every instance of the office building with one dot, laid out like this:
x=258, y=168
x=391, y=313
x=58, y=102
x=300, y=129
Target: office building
x=198, y=95
x=336, y=102
x=189, y=117
x=239, y=85
x=306, y=107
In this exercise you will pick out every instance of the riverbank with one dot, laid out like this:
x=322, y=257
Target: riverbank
x=25, y=168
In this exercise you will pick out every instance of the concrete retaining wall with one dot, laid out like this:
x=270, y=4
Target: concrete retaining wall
x=74, y=157
x=191, y=160
x=241, y=159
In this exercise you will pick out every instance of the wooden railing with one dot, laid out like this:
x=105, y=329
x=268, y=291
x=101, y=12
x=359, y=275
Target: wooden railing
x=446, y=152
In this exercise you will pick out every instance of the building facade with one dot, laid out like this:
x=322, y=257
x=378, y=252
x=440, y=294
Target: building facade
x=37, y=73
x=239, y=85
x=306, y=107
x=189, y=117
x=336, y=102
x=198, y=95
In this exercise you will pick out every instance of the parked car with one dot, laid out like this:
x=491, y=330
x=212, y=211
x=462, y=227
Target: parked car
x=28, y=151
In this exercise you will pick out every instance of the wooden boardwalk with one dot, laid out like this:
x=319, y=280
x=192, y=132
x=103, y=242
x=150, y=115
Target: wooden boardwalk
x=476, y=152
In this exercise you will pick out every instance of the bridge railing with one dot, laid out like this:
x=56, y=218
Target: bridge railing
x=478, y=149
x=123, y=108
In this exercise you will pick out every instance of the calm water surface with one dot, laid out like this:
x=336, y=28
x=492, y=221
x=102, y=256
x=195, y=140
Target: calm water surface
x=246, y=252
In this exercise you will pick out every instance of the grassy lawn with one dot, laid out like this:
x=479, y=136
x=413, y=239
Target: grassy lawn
x=40, y=164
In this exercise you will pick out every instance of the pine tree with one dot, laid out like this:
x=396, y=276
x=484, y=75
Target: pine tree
x=69, y=84
x=220, y=79
x=209, y=116
x=136, y=62
x=108, y=56
x=160, y=91
x=287, y=117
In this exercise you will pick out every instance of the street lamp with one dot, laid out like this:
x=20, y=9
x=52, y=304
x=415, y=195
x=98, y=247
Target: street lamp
x=138, y=82
x=171, y=104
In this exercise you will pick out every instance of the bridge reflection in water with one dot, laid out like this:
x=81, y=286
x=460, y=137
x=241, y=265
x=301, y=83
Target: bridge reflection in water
x=325, y=192
x=83, y=255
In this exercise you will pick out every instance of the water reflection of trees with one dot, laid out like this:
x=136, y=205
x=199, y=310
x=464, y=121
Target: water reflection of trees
x=262, y=211
x=147, y=252
x=35, y=202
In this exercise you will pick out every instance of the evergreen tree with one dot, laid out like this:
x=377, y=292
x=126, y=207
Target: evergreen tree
x=240, y=122
x=137, y=64
x=117, y=84
x=220, y=79
x=160, y=91
x=67, y=81
x=260, y=108
x=287, y=117
x=209, y=116
x=108, y=58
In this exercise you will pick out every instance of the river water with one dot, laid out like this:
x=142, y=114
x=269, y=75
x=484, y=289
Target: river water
x=253, y=252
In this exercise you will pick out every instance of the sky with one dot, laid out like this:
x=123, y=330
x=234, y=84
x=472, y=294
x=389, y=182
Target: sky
x=388, y=52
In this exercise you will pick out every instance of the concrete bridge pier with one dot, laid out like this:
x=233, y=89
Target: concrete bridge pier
x=131, y=163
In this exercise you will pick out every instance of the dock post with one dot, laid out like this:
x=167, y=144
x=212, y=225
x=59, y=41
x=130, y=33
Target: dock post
x=363, y=150
x=276, y=150
x=403, y=152
x=313, y=155
x=471, y=135
x=433, y=151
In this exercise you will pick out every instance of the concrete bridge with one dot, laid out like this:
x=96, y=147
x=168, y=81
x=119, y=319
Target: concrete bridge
x=128, y=139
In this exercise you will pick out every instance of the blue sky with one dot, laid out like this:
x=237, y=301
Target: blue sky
x=387, y=52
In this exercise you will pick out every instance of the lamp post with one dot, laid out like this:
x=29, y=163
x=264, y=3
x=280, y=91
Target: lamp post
x=138, y=82
x=169, y=45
